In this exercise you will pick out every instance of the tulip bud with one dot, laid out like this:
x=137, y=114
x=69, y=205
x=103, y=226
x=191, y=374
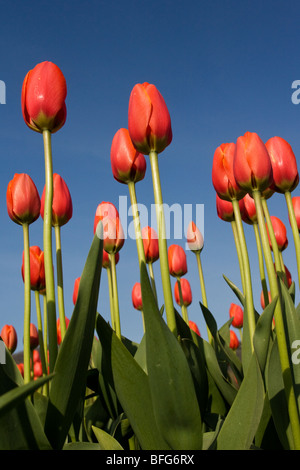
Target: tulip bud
x=284, y=165
x=37, y=268
x=136, y=296
x=21, y=368
x=236, y=312
x=252, y=165
x=149, y=121
x=194, y=327
x=249, y=213
x=186, y=292
x=22, y=199
x=59, y=330
x=126, y=162
x=262, y=299
x=222, y=173
x=43, y=98
x=34, y=336
x=296, y=206
x=75, y=289
x=177, y=261
x=103, y=211
x=9, y=336
x=106, y=260
x=62, y=208
x=194, y=238
x=279, y=232
x=113, y=235
x=234, y=341
x=37, y=369
x=150, y=242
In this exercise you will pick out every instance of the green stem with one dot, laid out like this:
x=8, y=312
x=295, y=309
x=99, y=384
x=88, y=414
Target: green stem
x=27, y=304
x=183, y=307
x=162, y=244
x=111, y=301
x=115, y=294
x=150, y=264
x=137, y=226
x=203, y=290
x=261, y=264
x=239, y=252
x=295, y=230
x=272, y=236
x=45, y=329
x=40, y=332
x=50, y=289
x=247, y=274
x=60, y=283
x=279, y=324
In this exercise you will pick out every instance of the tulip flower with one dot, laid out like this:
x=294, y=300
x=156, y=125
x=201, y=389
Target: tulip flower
x=59, y=336
x=62, y=208
x=193, y=326
x=236, y=312
x=37, y=369
x=234, y=341
x=249, y=212
x=279, y=232
x=21, y=368
x=149, y=121
x=37, y=268
x=284, y=165
x=75, y=289
x=136, y=296
x=34, y=336
x=223, y=177
x=10, y=338
x=177, y=261
x=252, y=164
x=43, y=98
x=263, y=300
x=105, y=210
x=128, y=165
x=106, y=260
x=22, y=199
x=194, y=238
x=150, y=242
x=296, y=208
x=113, y=235
x=186, y=292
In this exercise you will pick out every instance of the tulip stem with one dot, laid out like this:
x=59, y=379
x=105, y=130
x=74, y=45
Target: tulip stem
x=183, y=307
x=162, y=243
x=40, y=332
x=115, y=294
x=239, y=252
x=261, y=264
x=60, y=285
x=136, y=220
x=27, y=304
x=45, y=328
x=295, y=229
x=247, y=274
x=203, y=290
x=279, y=324
x=111, y=302
x=272, y=236
x=50, y=289
x=150, y=264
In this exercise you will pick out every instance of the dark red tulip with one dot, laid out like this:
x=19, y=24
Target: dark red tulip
x=62, y=207
x=149, y=121
x=186, y=292
x=284, y=165
x=22, y=199
x=37, y=268
x=236, y=312
x=126, y=162
x=10, y=338
x=150, y=242
x=136, y=296
x=177, y=261
x=223, y=178
x=43, y=98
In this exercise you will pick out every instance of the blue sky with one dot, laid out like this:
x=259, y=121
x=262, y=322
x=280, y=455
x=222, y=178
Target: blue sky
x=223, y=67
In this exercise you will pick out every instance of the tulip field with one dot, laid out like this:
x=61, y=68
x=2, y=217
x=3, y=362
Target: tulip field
x=83, y=385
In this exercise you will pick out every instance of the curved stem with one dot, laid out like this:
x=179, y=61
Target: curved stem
x=27, y=304
x=162, y=244
x=239, y=252
x=115, y=294
x=261, y=264
x=150, y=264
x=295, y=229
x=60, y=284
x=183, y=307
x=136, y=220
x=50, y=290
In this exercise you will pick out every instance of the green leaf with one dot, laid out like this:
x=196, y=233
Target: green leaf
x=69, y=382
x=82, y=446
x=262, y=334
x=172, y=389
x=105, y=440
x=243, y=418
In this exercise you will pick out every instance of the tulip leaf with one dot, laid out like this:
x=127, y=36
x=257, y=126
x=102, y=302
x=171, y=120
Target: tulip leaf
x=105, y=440
x=262, y=334
x=243, y=418
x=172, y=389
x=69, y=382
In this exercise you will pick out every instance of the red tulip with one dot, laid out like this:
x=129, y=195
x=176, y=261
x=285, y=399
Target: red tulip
x=186, y=292
x=43, y=98
x=194, y=327
x=21, y=368
x=249, y=213
x=105, y=209
x=284, y=165
x=222, y=173
x=177, y=261
x=296, y=206
x=34, y=336
x=236, y=312
x=149, y=121
x=262, y=299
x=37, y=268
x=22, y=199
x=113, y=235
x=62, y=208
x=252, y=164
x=126, y=162
x=75, y=289
x=136, y=296
x=150, y=242
x=194, y=238
x=234, y=341
x=37, y=369
x=279, y=232
x=58, y=328
x=10, y=338
x=106, y=260
x=225, y=208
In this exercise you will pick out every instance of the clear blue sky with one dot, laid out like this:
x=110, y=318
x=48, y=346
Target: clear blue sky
x=223, y=67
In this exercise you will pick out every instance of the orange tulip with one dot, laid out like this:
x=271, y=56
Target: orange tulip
x=234, y=341
x=136, y=296
x=186, y=292
x=34, y=337
x=193, y=326
x=43, y=98
x=150, y=242
x=106, y=260
x=279, y=232
x=237, y=314
x=37, y=268
x=249, y=213
x=222, y=173
x=10, y=338
x=75, y=289
x=177, y=261
x=59, y=330
x=126, y=162
x=284, y=165
x=105, y=209
x=62, y=208
x=22, y=199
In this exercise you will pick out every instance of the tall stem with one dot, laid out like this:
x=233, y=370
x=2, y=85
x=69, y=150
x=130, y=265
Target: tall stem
x=295, y=230
x=50, y=289
x=136, y=220
x=111, y=298
x=162, y=244
x=261, y=264
x=27, y=304
x=183, y=307
x=115, y=294
x=60, y=283
x=272, y=236
x=203, y=290
x=239, y=252
x=150, y=265
x=40, y=332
